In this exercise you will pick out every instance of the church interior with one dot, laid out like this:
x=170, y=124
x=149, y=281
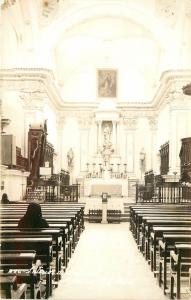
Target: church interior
x=95, y=110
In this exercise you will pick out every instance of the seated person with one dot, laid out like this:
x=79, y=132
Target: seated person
x=4, y=199
x=33, y=217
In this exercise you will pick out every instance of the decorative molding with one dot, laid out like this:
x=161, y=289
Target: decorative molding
x=135, y=113
x=31, y=80
x=32, y=100
x=85, y=120
x=169, y=82
x=7, y=3
x=60, y=122
x=153, y=123
x=166, y=9
x=131, y=123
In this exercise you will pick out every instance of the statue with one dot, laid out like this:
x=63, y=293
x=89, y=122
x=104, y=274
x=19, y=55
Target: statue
x=106, y=152
x=107, y=148
x=70, y=158
x=106, y=133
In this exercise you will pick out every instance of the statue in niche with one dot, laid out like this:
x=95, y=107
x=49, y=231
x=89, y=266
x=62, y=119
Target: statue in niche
x=106, y=134
x=70, y=158
x=107, y=148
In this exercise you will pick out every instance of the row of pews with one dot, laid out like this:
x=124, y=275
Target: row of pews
x=33, y=260
x=163, y=235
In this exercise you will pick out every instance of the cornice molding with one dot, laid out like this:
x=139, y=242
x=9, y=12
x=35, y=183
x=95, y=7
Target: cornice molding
x=31, y=80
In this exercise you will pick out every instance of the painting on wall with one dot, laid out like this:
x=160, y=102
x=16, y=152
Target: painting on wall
x=107, y=83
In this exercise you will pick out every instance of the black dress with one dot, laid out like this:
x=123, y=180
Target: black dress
x=33, y=217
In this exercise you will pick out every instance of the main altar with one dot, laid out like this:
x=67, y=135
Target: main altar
x=105, y=172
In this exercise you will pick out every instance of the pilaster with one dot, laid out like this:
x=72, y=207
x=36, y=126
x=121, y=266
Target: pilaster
x=153, y=124
x=130, y=128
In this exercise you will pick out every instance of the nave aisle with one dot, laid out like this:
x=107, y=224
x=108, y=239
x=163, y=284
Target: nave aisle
x=107, y=265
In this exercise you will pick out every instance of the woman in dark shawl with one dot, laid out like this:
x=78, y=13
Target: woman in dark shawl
x=4, y=199
x=33, y=217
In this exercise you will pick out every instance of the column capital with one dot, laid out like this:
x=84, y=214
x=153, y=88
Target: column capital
x=153, y=123
x=130, y=123
x=85, y=121
x=60, y=122
x=32, y=100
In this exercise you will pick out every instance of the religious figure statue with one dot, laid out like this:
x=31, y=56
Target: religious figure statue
x=107, y=133
x=107, y=148
x=106, y=152
x=70, y=158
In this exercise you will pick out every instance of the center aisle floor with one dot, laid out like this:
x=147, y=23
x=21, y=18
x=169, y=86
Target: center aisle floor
x=106, y=264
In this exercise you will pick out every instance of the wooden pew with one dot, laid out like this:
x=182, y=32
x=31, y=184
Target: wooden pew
x=135, y=210
x=157, y=234
x=161, y=214
x=63, y=227
x=22, y=265
x=149, y=223
x=165, y=246
x=56, y=234
x=56, y=210
x=69, y=221
x=10, y=289
x=180, y=262
x=43, y=247
x=146, y=229
x=70, y=217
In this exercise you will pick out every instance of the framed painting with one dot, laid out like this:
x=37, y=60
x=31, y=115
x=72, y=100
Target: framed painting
x=107, y=83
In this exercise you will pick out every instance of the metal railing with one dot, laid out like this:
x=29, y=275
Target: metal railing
x=164, y=194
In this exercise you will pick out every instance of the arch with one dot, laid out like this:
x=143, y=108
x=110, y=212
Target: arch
x=158, y=29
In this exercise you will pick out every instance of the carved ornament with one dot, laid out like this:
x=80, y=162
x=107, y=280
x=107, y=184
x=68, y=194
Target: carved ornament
x=32, y=100
x=153, y=123
x=130, y=123
x=7, y=3
x=166, y=9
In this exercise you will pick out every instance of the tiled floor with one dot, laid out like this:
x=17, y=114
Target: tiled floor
x=107, y=265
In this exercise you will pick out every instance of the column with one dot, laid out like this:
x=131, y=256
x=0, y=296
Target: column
x=60, y=127
x=176, y=105
x=173, y=142
x=99, y=136
x=130, y=129
x=84, y=123
x=114, y=136
x=153, y=122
